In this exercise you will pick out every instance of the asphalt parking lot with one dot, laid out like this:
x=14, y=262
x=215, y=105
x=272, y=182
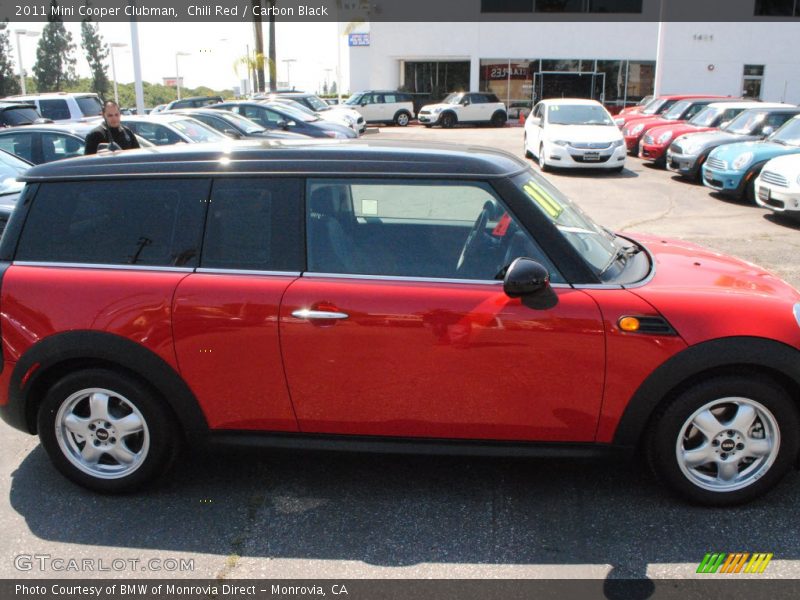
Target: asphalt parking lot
x=253, y=514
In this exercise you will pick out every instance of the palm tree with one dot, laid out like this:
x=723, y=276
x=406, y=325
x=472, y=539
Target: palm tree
x=252, y=64
x=259, y=35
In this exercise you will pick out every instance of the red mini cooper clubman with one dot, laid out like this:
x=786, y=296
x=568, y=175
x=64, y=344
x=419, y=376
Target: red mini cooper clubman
x=379, y=296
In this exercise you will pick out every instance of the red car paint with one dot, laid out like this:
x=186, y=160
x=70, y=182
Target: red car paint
x=655, y=151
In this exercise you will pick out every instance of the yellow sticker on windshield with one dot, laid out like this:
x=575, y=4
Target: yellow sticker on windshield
x=548, y=204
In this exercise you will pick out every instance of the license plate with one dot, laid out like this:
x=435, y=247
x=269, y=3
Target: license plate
x=591, y=156
x=763, y=194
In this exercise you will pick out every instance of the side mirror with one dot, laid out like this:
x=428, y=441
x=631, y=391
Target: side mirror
x=232, y=133
x=363, y=103
x=767, y=130
x=525, y=277
x=724, y=124
x=465, y=102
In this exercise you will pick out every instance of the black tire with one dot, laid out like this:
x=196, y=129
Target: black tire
x=162, y=436
x=428, y=126
x=448, y=120
x=499, y=119
x=672, y=422
x=749, y=191
x=402, y=119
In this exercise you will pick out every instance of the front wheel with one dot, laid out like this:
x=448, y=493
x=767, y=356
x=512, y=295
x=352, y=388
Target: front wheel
x=542, y=161
x=107, y=431
x=725, y=441
x=448, y=120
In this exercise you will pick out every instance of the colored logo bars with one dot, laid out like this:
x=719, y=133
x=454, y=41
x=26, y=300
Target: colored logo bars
x=740, y=562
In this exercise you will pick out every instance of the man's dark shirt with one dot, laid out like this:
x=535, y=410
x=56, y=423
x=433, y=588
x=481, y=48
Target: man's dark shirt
x=122, y=136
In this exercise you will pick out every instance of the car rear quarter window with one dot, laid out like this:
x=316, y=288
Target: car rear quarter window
x=147, y=222
x=18, y=116
x=437, y=229
x=54, y=109
x=255, y=224
x=90, y=105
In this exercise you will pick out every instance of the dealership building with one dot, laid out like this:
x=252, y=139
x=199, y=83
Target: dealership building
x=616, y=62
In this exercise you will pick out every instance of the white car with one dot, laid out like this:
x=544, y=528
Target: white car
x=464, y=107
x=574, y=133
x=778, y=185
x=380, y=106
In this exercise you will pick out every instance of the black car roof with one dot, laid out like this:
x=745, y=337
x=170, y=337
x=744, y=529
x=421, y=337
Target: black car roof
x=6, y=104
x=323, y=157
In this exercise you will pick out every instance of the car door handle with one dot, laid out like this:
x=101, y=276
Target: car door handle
x=307, y=313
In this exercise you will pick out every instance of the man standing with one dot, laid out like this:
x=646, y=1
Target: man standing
x=110, y=132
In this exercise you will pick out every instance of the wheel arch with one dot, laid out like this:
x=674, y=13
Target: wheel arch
x=758, y=357
x=52, y=358
x=402, y=111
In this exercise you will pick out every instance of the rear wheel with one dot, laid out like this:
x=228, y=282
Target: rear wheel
x=402, y=119
x=725, y=441
x=107, y=431
x=498, y=119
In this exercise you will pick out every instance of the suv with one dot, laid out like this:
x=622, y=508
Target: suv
x=464, y=107
x=379, y=295
x=377, y=106
x=13, y=114
x=64, y=107
x=193, y=102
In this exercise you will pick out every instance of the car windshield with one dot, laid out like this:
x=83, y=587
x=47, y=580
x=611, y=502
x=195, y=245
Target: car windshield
x=354, y=99
x=788, y=134
x=454, y=98
x=746, y=123
x=196, y=131
x=243, y=123
x=89, y=105
x=653, y=106
x=10, y=168
x=578, y=114
x=296, y=113
x=706, y=117
x=317, y=103
x=595, y=244
x=677, y=110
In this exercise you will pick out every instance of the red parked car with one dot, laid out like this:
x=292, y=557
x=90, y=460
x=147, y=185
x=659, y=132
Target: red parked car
x=637, y=108
x=683, y=110
x=655, y=142
x=379, y=296
x=655, y=107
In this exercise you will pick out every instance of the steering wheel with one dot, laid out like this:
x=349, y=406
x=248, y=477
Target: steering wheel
x=471, y=243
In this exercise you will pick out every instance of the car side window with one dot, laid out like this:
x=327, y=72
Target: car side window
x=477, y=99
x=440, y=229
x=255, y=224
x=56, y=146
x=775, y=120
x=151, y=222
x=54, y=109
x=19, y=144
x=390, y=98
x=693, y=110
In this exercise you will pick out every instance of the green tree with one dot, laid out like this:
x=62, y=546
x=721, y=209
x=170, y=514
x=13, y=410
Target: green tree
x=96, y=55
x=9, y=84
x=55, y=63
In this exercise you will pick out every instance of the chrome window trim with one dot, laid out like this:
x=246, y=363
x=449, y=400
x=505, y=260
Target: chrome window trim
x=493, y=282
x=65, y=265
x=220, y=271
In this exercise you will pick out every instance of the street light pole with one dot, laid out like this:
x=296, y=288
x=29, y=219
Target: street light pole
x=29, y=33
x=177, y=72
x=114, y=68
x=289, y=62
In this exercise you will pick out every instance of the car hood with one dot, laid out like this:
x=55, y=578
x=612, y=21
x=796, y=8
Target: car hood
x=643, y=119
x=583, y=133
x=761, y=150
x=432, y=107
x=706, y=294
x=710, y=139
x=680, y=128
x=331, y=126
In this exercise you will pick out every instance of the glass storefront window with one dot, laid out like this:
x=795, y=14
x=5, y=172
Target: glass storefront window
x=640, y=80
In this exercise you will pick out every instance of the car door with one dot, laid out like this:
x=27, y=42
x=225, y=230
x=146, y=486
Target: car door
x=400, y=326
x=226, y=313
x=371, y=107
x=470, y=111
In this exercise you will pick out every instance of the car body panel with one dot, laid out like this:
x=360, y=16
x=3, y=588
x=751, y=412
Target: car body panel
x=720, y=174
x=778, y=185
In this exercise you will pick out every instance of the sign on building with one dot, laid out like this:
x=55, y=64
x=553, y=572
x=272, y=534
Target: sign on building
x=358, y=39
